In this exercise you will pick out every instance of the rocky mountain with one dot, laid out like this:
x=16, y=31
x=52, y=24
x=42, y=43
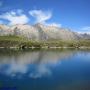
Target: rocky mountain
x=40, y=32
x=55, y=33
x=85, y=36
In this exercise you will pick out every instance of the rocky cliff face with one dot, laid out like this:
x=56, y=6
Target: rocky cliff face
x=55, y=33
x=39, y=32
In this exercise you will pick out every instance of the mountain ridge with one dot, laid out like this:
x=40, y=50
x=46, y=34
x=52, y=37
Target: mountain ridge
x=40, y=32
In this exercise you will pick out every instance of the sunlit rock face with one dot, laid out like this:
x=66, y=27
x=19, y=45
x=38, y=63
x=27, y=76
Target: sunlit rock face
x=26, y=31
x=39, y=32
x=56, y=33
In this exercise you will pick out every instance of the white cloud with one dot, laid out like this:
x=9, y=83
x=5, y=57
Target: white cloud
x=18, y=17
x=15, y=17
x=41, y=16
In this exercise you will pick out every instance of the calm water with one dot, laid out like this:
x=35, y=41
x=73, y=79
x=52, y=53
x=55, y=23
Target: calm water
x=45, y=70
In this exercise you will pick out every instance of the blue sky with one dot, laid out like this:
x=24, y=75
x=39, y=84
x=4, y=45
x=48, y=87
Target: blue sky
x=74, y=14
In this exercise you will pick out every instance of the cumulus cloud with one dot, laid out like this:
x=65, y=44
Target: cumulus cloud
x=19, y=17
x=15, y=17
x=42, y=17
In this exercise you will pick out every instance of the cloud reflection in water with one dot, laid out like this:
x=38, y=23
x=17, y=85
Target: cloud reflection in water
x=34, y=64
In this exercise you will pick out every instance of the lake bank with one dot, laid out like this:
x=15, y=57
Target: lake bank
x=23, y=43
x=18, y=48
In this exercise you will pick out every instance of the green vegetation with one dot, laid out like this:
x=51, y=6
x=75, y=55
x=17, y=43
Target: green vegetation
x=22, y=42
x=17, y=42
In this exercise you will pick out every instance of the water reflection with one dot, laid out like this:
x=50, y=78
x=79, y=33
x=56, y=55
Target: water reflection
x=35, y=57
x=45, y=69
x=34, y=64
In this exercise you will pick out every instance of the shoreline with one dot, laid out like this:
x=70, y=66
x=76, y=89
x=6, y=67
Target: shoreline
x=82, y=47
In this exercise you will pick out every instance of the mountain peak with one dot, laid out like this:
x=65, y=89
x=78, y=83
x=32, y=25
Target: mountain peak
x=40, y=32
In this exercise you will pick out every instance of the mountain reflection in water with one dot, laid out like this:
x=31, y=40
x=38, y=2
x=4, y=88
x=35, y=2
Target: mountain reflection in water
x=45, y=69
x=21, y=63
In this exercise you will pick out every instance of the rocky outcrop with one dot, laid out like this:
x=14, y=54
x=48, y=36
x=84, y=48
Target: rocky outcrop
x=56, y=33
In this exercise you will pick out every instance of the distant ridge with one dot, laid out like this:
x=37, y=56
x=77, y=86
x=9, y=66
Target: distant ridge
x=41, y=32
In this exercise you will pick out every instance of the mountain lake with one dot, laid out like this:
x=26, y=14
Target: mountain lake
x=57, y=69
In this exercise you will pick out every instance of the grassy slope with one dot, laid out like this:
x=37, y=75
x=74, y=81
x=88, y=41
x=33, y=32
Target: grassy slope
x=10, y=41
x=16, y=41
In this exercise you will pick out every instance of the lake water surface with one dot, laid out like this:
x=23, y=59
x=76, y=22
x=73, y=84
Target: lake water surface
x=45, y=69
